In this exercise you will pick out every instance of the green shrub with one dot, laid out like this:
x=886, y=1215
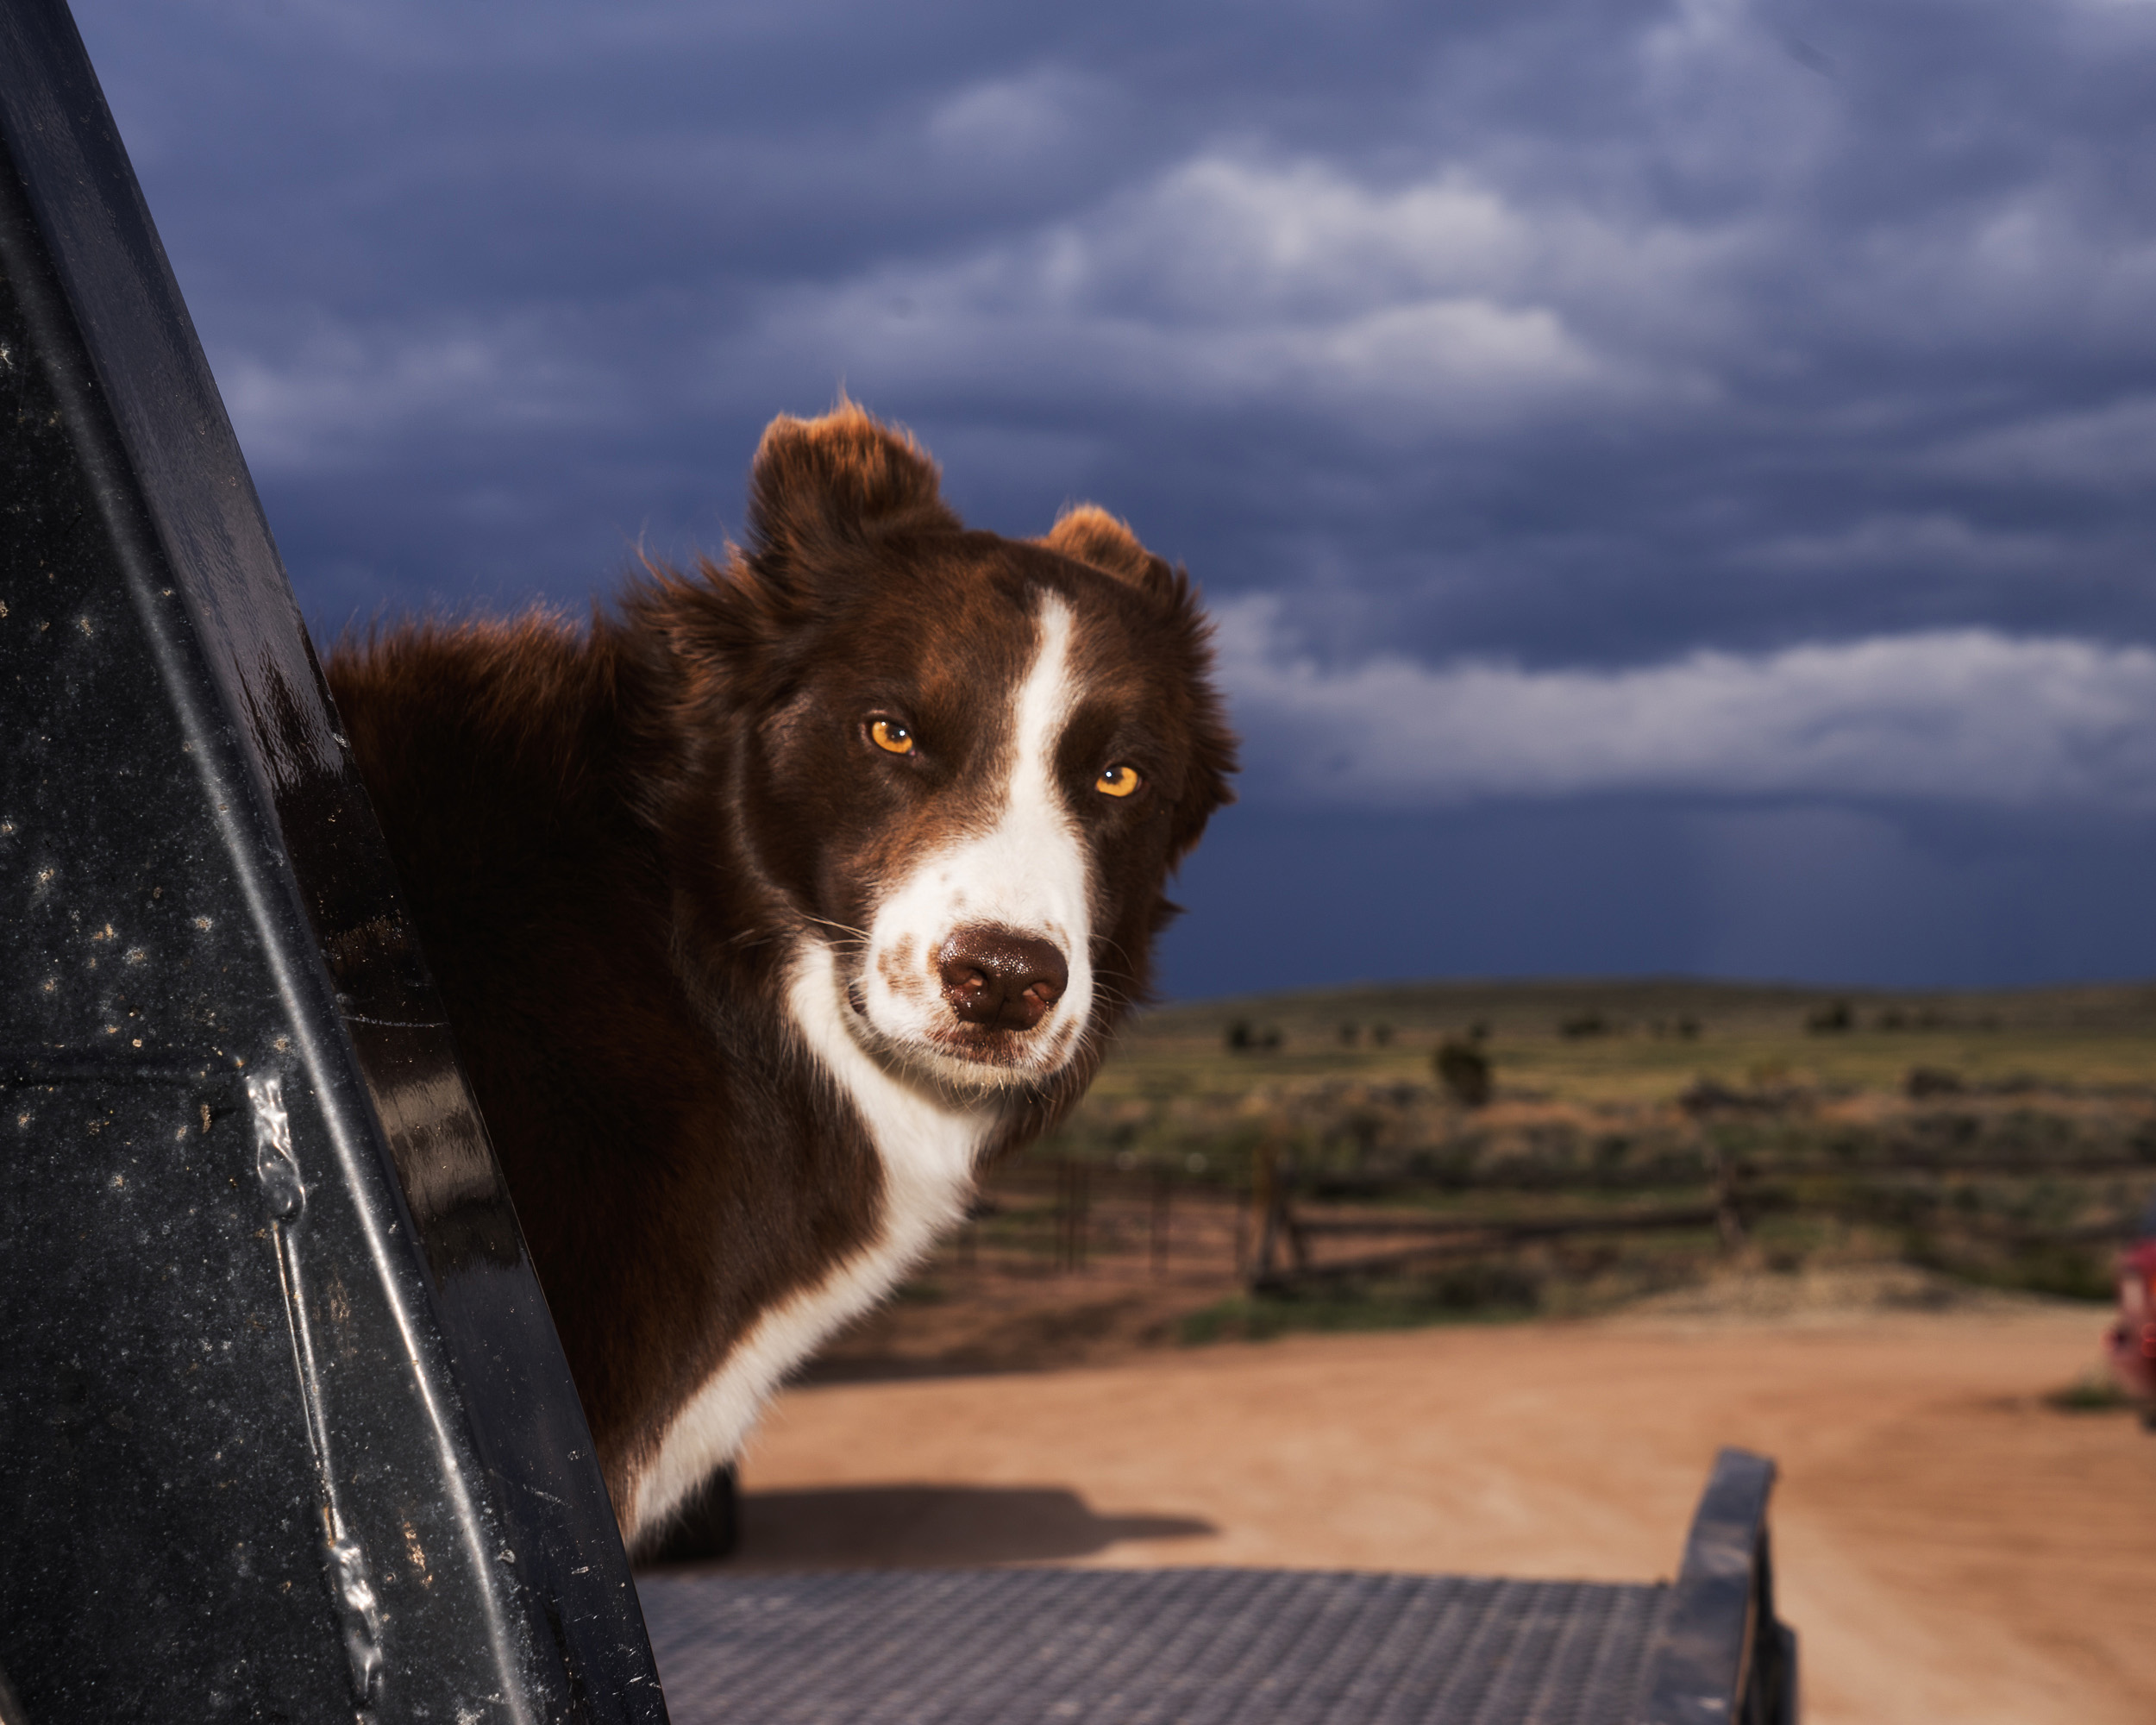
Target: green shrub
x=2093, y=1392
x=1464, y=1071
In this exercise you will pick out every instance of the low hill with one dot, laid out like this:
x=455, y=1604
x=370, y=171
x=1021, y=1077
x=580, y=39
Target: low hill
x=1543, y=1007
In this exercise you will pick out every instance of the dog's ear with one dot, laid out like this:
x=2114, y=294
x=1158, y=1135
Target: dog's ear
x=1089, y=534
x=822, y=494
x=840, y=482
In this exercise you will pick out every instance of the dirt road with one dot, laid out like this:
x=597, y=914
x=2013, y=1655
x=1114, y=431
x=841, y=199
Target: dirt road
x=1949, y=1546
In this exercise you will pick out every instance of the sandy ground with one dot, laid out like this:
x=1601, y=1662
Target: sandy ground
x=1947, y=1544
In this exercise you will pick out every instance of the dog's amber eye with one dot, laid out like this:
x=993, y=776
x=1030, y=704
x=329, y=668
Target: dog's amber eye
x=890, y=734
x=1116, y=781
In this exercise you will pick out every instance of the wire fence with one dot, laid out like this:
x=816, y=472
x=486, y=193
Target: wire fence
x=1068, y=1215
x=1277, y=1228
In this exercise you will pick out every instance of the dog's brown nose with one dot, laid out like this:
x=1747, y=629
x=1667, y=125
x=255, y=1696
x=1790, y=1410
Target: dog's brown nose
x=1000, y=978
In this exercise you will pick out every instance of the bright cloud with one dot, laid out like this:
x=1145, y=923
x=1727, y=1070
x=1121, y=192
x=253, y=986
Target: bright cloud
x=2107, y=448
x=1232, y=281
x=1963, y=715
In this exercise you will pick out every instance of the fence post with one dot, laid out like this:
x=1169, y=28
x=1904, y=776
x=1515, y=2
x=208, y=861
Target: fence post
x=1081, y=1196
x=1063, y=1213
x=1244, y=1197
x=1266, y=1198
x=1728, y=1220
x=1157, y=1241
x=1073, y=1195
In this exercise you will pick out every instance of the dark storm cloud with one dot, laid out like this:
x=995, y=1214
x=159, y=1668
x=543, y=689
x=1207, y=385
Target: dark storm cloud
x=1627, y=366
x=1823, y=893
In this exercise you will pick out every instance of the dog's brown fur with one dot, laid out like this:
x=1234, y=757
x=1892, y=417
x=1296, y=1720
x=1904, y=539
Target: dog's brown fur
x=614, y=840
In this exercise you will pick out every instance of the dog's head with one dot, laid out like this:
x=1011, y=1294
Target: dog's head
x=965, y=764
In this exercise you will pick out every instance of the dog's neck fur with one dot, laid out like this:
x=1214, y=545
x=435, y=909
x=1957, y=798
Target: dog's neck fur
x=929, y=1145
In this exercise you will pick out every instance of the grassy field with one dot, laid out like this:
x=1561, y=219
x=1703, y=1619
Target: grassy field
x=2002, y=1138
x=1929, y=1146
x=1658, y=1037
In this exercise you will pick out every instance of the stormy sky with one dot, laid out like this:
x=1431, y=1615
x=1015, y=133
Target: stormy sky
x=1676, y=480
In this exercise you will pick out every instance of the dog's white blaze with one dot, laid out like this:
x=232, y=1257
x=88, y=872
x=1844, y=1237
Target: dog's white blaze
x=1027, y=873
x=928, y=1143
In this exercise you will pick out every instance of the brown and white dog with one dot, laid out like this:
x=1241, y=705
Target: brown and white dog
x=775, y=906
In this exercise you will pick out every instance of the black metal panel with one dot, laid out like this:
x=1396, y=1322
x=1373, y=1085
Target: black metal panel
x=1724, y=1659
x=283, y=1421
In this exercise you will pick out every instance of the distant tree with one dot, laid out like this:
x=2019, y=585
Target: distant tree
x=1382, y=1034
x=1584, y=1025
x=1831, y=1019
x=1350, y=1033
x=1239, y=1036
x=1479, y=1030
x=1932, y=1081
x=1463, y=1069
x=1688, y=1027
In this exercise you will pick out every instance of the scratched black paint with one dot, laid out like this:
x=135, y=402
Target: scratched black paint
x=285, y=1430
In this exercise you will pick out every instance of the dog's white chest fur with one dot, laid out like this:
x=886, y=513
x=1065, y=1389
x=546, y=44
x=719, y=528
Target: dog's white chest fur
x=929, y=1146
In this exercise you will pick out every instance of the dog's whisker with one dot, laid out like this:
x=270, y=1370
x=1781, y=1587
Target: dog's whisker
x=859, y=934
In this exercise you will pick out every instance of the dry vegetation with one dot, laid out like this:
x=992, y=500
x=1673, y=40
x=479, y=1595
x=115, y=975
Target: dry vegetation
x=2006, y=1140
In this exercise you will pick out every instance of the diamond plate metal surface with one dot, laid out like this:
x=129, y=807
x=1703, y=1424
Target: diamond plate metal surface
x=1193, y=1647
